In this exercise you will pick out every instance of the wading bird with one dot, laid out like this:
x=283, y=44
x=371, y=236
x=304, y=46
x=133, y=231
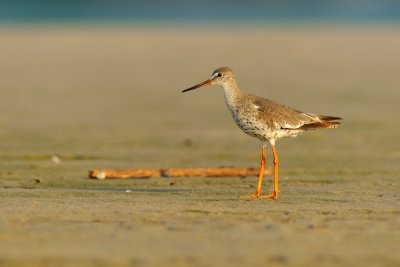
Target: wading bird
x=264, y=119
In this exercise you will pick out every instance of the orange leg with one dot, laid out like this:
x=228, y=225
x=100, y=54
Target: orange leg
x=274, y=194
x=260, y=176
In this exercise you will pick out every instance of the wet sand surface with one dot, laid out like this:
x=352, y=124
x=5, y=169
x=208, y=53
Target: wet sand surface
x=76, y=98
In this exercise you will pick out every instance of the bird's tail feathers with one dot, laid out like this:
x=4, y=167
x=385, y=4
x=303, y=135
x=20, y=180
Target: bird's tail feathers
x=322, y=122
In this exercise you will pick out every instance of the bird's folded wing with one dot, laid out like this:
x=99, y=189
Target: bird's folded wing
x=280, y=116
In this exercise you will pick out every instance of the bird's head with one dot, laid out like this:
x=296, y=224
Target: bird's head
x=220, y=76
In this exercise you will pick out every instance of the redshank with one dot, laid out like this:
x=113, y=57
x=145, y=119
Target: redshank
x=264, y=119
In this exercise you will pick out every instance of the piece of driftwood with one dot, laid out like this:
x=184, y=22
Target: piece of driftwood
x=189, y=172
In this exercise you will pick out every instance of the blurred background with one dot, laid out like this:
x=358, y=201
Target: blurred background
x=199, y=11
x=102, y=80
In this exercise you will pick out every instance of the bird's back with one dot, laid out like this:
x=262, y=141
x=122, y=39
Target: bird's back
x=269, y=120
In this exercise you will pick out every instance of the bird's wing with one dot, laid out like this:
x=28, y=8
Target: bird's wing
x=280, y=116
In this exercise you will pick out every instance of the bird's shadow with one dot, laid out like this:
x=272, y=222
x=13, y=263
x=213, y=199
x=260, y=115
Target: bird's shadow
x=144, y=190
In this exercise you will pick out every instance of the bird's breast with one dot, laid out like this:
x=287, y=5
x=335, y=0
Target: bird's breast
x=248, y=122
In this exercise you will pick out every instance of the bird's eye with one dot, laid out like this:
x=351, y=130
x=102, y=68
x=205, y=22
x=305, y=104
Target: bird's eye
x=219, y=74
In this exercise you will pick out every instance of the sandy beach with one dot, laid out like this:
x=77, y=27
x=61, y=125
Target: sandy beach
x=75, y=98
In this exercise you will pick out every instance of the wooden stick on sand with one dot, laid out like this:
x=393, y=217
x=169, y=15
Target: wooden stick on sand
x=147, y=173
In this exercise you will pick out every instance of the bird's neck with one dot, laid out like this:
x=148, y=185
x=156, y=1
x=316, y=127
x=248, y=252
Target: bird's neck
x=232, y=93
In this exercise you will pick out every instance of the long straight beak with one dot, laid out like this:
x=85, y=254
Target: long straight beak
x=205, y=83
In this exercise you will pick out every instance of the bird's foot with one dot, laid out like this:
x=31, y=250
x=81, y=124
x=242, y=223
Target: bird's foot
x=274, y=195
x=256, y=194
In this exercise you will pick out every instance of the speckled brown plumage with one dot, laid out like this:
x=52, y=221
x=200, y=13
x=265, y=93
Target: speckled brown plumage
x=268, y=120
